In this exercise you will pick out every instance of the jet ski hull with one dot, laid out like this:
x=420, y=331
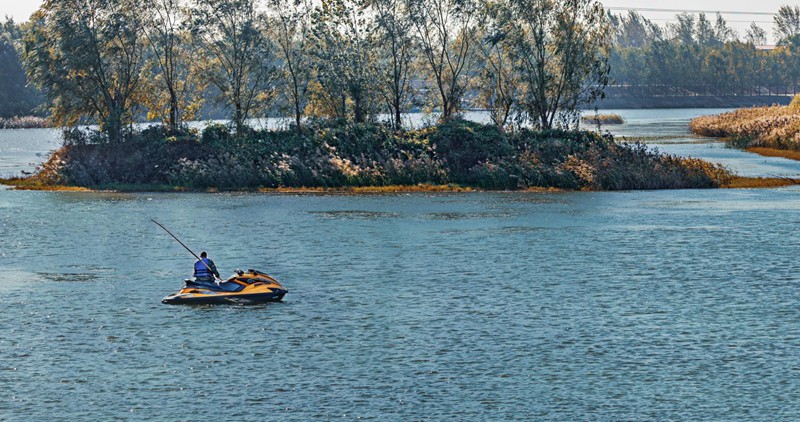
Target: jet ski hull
x=222, y=299
x=252, y=288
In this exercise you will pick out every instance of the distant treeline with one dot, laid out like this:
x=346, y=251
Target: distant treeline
x=696, y=56
x=17, y=98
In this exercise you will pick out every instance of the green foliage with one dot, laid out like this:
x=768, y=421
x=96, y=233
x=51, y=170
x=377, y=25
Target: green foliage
x=344, y=49
x=216, y=134
x=462, y=145
x=459, y=152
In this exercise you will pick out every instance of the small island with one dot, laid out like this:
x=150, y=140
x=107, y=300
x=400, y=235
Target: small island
x=458, y=153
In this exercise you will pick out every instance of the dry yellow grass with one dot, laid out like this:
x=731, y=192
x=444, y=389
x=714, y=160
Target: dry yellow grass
x=33, y=184
x=603, y=119
x=374, y=189
x=771, y=127
x=759, y=182
x=53, y=188
x=774, y=152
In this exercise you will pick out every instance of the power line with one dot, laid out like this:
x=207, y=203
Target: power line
x=728, y=21
x=722, y=12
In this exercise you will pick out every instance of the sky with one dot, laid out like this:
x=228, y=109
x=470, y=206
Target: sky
x=739, y=21
x=21, y=9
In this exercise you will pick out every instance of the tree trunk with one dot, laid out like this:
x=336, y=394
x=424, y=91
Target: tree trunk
x=173, y=110
x=238, y=118
x=112, y=125
x=398, y=122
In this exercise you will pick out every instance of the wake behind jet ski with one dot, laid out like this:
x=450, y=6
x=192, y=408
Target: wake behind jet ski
x=249, y=288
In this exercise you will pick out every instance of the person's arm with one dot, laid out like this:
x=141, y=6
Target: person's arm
x=214, y=268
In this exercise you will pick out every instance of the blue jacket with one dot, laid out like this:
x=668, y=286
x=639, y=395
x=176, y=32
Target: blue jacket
x=201, y=270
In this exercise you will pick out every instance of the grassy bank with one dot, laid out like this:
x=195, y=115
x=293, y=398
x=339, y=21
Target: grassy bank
x=775, y=127
x=454, y=156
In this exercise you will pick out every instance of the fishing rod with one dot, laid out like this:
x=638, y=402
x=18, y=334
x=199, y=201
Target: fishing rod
x=186, y=247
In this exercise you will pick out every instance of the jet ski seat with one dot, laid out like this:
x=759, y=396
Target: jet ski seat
x=225, y=286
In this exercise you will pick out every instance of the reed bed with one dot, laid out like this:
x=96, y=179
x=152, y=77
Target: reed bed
x=603, y=119
x=739, y=182
x=25, y=122
x=776, y=127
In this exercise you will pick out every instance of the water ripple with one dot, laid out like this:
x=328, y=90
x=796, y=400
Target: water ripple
x=610, y=306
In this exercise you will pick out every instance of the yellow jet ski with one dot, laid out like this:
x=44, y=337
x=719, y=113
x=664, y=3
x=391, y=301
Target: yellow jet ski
x=250, y=288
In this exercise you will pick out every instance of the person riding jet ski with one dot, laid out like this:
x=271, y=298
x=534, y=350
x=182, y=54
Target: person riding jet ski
x=205, y=270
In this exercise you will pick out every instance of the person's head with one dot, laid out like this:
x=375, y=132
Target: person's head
x=203, y=254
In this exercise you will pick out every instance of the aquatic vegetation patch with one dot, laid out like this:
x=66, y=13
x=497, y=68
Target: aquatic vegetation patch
x=603, y=119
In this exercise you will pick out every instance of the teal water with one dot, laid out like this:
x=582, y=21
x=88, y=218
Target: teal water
x=655, y=305
x=647, y=305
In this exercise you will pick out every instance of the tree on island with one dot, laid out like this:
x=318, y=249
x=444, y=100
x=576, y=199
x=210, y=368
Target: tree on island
x=237, y=56
x=446, y=35
x=345, y=62
x=395, y=32
x=499, y=84
x=173, y=81
x=560, y=51
x=87, y=57
x=105, y=61
x=291, y=32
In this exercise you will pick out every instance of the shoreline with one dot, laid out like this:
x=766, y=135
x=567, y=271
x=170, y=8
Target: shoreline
x=19, y=184
x=737, y=182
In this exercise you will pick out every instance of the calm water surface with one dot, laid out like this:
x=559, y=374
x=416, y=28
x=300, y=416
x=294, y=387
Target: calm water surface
x=490, y=306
